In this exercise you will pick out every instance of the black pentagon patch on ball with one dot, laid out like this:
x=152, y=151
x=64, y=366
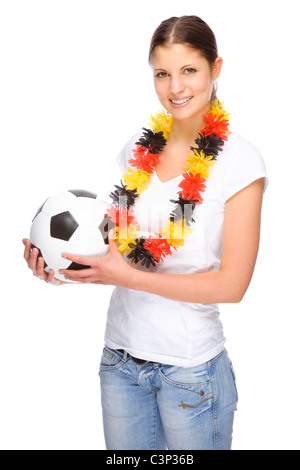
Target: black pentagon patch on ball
x=76, y=267
x=83, y=193
x=106, y=225
x=63, y=225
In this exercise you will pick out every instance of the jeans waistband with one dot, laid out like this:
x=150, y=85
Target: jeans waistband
x=140, y=362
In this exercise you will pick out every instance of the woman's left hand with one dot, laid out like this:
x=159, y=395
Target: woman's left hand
x=112, y=269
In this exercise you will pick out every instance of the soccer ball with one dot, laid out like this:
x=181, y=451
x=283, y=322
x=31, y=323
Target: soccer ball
x=74, y=222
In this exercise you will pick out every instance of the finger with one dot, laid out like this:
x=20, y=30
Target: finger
x=40, y=269
x=50, y=276
x=32, y=263
x=84, y=260
x=51, y=279
x=113, y=247
x=77, y=275
x=78, y=280
x=112, y=234
x=27, y=245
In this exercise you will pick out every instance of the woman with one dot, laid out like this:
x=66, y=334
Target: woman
x=187, y=233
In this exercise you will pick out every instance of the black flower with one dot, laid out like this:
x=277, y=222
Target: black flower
x=140, y=254
x=152, y=139
x=124, y=197
x=209, y=144
x=183, y=210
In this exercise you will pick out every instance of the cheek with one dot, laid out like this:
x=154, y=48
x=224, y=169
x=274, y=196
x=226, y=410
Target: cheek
x=160, y=89
x=203, y=85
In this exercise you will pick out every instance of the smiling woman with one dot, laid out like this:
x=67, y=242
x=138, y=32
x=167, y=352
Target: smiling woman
x=187, y=216
x=188, y=30
x=183, y=90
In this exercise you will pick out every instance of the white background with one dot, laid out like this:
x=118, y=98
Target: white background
x=74, y=86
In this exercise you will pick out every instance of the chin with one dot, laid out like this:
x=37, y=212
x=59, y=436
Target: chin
x=182, y=114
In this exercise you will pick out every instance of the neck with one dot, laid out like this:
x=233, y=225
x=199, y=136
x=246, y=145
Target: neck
x=187, y=130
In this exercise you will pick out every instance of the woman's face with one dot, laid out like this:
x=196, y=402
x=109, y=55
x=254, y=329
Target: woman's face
x=183, y=80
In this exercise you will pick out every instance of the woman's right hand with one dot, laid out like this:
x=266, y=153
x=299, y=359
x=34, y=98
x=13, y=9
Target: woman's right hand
x=36, y=264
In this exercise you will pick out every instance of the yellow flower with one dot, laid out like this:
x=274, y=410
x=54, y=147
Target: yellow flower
x=124, y=237
x=136, y=179
x=218, y=110
x=161, y=122
x=175, y=232
x=199, y=163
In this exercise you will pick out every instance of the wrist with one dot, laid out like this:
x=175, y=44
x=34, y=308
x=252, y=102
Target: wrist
x=134, y=279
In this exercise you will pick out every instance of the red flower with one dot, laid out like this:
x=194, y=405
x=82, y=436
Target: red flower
x=143, y=159
x=191, y=186
x=122, y=217
x=158, y=247
x=217, y=126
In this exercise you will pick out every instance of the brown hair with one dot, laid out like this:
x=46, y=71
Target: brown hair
x=189, y=30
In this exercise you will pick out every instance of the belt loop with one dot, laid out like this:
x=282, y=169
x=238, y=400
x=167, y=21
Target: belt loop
x=125, y=356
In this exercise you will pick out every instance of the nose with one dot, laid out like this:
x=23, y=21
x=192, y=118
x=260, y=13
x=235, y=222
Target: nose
x=176, y=85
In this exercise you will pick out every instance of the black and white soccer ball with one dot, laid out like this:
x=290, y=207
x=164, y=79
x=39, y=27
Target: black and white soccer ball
x=74, y=222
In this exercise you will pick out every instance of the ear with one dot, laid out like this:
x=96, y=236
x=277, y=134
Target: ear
x=217, y=67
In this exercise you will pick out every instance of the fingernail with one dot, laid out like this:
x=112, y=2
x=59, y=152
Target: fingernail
x=27, y=243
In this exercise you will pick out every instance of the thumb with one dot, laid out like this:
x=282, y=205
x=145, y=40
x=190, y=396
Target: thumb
x=111, y=240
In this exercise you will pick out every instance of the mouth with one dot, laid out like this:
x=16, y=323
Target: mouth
x=181, y=102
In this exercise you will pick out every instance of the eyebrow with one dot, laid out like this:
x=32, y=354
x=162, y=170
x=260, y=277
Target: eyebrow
x=183, y=67
x=188, y=65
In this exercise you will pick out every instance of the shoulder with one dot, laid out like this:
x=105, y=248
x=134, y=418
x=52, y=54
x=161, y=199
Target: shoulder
x=238, y=150
x=237, y=142
x=126, y=152
x=239, y=164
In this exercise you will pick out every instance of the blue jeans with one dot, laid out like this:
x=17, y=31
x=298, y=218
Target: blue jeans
x=158, y=406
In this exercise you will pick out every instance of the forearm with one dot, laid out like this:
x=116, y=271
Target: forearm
x=211, y=287
x=240, y=246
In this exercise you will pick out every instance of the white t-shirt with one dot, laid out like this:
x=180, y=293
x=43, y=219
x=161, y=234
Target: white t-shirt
x=160, y=329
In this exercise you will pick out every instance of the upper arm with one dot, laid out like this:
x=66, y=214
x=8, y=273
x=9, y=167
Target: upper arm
x=241, y=236
x=126, y=152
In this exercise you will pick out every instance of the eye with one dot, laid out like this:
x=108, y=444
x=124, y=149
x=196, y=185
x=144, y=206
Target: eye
x=189, y=71
x=161, y=74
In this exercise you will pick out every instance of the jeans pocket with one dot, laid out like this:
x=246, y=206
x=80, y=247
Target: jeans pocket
x=110, y=360
x=189, y=391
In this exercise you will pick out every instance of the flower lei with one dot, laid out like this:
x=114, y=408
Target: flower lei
x=153, y=249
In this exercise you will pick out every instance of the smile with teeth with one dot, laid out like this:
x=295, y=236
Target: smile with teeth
x=185, y=100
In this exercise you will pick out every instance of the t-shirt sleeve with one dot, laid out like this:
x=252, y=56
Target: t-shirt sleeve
x=126, y=152
x=247, y=166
